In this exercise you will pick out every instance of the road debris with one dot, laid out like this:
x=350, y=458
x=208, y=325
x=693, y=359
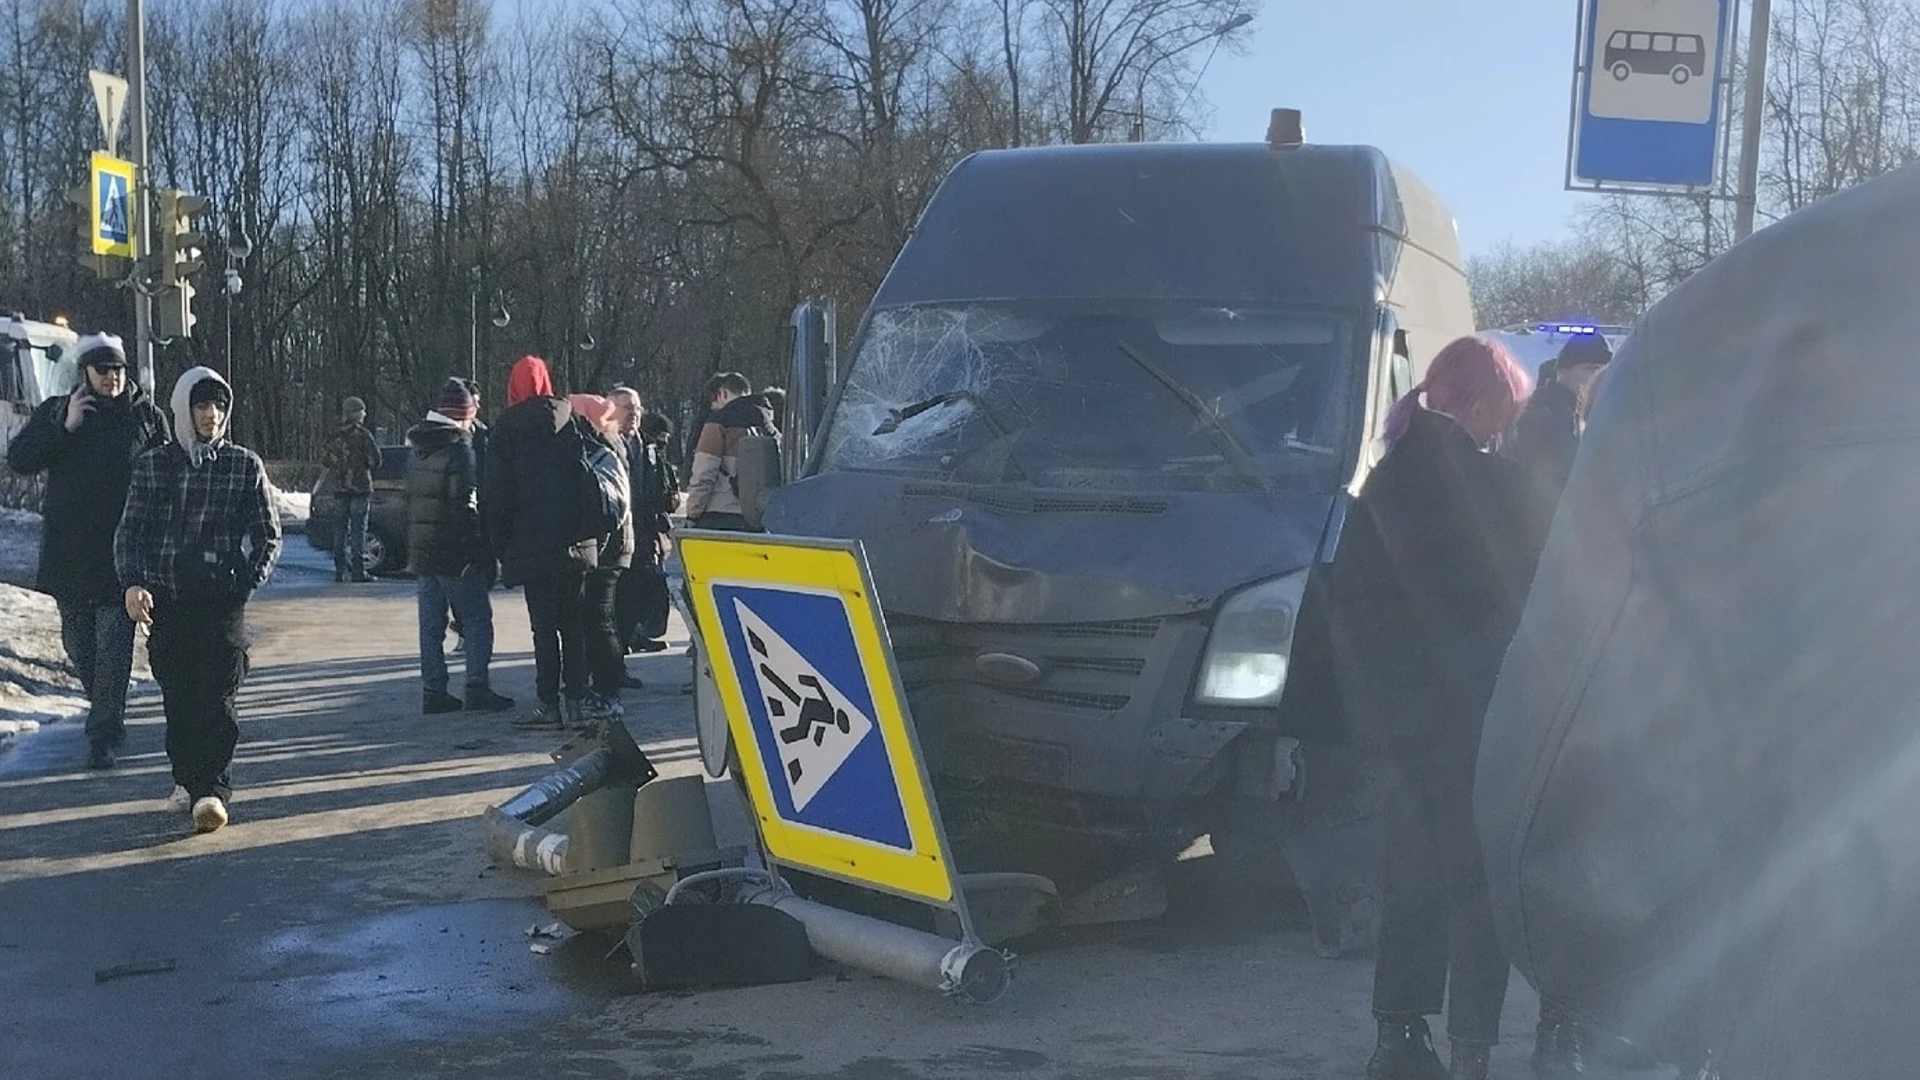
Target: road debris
x=138, y=967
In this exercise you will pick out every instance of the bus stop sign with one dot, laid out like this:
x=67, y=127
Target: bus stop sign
x=1648, y=94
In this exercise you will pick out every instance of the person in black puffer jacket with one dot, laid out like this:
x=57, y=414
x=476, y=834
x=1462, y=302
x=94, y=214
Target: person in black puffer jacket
x=532, y=499
x=86, y=442
x=447, y=552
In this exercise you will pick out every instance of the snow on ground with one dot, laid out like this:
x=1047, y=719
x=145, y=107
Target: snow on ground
x=35, y=686
x=19, y=546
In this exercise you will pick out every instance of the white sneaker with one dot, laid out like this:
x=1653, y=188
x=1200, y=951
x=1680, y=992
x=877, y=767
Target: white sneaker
x=178, y=801
x=209, y=814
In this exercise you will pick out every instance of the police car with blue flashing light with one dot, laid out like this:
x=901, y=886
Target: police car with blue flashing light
x=1534, y=345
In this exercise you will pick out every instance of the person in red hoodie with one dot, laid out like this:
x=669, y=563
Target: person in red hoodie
x=532, y=504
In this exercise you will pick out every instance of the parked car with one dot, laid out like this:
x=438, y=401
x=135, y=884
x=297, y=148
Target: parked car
x=386, y=549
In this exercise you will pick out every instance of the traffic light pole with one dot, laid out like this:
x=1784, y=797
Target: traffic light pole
x=143, y=218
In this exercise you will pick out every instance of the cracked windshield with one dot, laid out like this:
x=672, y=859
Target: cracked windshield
x=948, y=539
x=1086, y=396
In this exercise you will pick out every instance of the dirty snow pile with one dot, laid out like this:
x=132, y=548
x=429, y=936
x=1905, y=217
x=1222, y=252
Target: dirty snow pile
x=294, y=507
x=35, y=686
x=19, y=546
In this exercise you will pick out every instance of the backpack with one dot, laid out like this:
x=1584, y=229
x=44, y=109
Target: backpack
x=756, y=473
x=605, y=496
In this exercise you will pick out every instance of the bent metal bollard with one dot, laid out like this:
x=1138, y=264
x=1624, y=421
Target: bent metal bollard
x=511, y=832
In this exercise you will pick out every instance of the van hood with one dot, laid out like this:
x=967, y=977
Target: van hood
x=961, y=553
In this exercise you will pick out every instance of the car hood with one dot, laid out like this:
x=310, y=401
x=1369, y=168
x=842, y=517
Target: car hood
x=959, y=553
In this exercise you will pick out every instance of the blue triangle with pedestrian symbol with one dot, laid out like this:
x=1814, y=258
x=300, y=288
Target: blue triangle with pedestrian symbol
x=113, y=208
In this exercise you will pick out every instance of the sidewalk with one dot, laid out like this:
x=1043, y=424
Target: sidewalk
x=348, y=906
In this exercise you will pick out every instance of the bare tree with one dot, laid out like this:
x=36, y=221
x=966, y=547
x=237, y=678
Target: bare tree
x=1109, y=55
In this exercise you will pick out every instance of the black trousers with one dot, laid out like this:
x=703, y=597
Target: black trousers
x=99, y=640
x=606, y=654
x=555, y=607
x=198, y=651
x=1437, y=940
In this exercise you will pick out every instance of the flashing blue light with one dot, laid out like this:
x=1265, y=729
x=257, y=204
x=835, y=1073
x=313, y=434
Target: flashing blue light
x=1569, y=329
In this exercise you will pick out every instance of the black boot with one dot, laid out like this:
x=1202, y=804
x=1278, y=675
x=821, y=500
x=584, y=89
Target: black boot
x=1559, y=1045
x=1470, y=1061
x=1405, y=1051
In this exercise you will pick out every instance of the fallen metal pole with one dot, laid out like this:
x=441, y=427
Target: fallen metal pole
x=970, y=971
x=510, y=832
x=528, y=847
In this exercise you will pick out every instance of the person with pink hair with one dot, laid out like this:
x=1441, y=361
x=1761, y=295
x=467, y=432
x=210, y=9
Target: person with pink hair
x=600, y=625
x=1432, y=572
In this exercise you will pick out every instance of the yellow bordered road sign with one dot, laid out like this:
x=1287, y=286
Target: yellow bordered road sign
x=800, y=654
x=111, y=181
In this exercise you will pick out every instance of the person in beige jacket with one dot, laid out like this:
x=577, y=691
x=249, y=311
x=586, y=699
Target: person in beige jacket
x=713, y=497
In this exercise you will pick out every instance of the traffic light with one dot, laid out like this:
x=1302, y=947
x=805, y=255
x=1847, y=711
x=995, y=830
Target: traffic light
x=179, y=258
x=179, y=239
x=173, y=315
x=106, y=267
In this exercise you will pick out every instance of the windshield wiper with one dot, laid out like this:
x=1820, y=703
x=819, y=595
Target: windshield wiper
x=1230, y=445
x=900, y=416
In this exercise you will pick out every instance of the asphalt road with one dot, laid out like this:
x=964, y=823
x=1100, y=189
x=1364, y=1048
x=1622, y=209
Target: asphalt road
x=347, y=924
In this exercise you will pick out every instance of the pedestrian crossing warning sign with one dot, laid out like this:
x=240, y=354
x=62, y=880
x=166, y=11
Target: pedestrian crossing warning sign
x=113, y=206
x=799, y=651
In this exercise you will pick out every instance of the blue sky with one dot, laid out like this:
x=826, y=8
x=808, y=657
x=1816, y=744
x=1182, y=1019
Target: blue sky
x=1471, y=95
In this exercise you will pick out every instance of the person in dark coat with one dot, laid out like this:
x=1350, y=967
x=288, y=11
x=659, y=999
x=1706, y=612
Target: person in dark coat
x=643, y=587
x=351, y=457
x=533, y=512
x=1430, y=578
x=1547, y=435
x=657, y=499
x=477, y=433
x=86, y=442
x=447, y=552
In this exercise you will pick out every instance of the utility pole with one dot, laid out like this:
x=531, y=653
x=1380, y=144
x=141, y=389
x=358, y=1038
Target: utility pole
x=1747, y=196
x=143, y=218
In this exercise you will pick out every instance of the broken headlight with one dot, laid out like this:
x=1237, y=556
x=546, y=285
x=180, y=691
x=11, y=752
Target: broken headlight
x=1251, y=643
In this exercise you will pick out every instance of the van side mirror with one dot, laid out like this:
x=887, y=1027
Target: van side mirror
x=810, y=380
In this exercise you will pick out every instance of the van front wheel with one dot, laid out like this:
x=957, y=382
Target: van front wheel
x=1622, y=72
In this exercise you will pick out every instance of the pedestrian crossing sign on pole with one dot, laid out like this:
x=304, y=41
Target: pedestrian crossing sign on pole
x=111, y=181
x=799, y=651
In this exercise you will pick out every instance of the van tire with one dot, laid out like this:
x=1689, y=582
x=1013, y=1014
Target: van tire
x=1681, y=75
x=1622, y=71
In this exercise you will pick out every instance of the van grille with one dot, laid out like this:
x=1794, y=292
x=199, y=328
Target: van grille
x=1086, y=666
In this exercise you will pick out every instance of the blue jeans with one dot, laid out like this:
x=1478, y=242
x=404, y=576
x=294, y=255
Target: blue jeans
x=350, y=555
x=99, y=642
x=471, y=605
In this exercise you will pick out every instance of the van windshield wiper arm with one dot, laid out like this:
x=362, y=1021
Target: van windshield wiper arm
x=905, y=413
x=1223, y=437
